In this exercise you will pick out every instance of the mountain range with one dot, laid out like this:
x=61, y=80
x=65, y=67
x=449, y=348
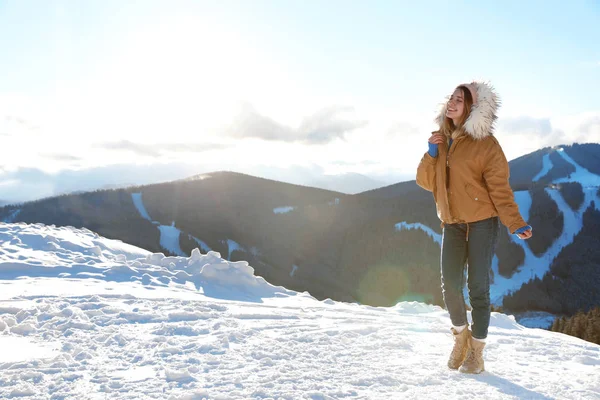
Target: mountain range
x=376, y=247
x=28, y=184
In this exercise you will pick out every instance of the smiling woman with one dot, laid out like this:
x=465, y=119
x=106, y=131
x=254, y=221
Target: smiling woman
x=467, y=172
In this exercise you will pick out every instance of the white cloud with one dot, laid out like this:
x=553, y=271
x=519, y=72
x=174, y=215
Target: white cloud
x=524, y=125
x=523, y=134
x=321, y=127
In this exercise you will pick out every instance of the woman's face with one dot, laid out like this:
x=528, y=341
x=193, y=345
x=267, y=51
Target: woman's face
x=456, y=105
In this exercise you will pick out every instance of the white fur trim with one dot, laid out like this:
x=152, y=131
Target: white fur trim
x=480, y=122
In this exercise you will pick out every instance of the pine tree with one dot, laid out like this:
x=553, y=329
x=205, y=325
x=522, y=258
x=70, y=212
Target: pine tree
x=555, y=325
x=578, y=325
x=589, y=331
x=562, y=325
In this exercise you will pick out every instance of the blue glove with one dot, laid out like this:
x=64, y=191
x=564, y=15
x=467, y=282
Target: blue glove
x=523, y=229
x=433, y=150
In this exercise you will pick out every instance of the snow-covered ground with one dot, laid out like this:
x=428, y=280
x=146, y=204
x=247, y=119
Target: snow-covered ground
x=85, y=317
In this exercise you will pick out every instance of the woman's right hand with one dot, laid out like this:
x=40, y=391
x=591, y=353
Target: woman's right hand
x=436, y=138
x=525, y=235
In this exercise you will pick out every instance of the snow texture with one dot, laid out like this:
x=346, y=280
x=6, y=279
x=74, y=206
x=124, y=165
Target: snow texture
x=94, y=318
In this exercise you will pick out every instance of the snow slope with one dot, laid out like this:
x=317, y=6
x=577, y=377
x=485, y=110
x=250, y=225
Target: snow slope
x=436, y=237
x=581, y=175
x=169, y=239
x=546, y=167
x=139, y=204
x=169, y=234
x=95, y=318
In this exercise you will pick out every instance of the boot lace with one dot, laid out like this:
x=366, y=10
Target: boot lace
x=473, y=354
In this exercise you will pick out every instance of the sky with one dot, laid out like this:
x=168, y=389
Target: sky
x=349, y=86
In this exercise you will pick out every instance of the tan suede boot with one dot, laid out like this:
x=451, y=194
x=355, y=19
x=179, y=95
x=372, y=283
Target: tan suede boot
x=461, y=345
x=473, y=364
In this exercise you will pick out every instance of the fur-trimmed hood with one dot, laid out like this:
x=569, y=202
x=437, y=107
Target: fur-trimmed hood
x=480, y=122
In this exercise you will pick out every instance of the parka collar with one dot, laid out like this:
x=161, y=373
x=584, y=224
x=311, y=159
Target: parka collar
x=480, y=122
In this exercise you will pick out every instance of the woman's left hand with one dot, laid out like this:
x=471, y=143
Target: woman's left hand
x=525, y=235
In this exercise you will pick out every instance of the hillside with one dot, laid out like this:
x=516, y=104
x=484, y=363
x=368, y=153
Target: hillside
x=377, y=247
x=103, y=319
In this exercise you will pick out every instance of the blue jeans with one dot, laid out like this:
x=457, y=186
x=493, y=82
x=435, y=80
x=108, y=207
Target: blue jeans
x=477, y=253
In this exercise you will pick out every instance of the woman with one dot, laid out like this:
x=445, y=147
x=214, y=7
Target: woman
x=467, y=172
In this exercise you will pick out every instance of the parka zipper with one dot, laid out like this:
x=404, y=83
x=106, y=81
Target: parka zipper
x=454, y=143
x=448, y=181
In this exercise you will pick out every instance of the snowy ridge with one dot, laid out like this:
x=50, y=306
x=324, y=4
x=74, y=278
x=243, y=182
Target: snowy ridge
x=82, y=254
x=82, y=316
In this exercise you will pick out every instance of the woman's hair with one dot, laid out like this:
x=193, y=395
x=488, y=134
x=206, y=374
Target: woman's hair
x=448, y=125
